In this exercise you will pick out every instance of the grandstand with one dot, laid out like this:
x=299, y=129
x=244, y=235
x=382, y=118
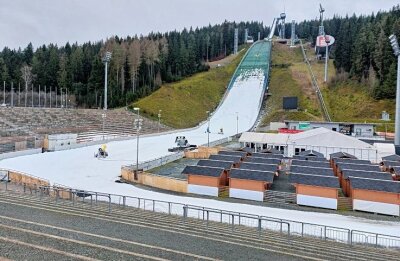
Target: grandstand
x=30, y=125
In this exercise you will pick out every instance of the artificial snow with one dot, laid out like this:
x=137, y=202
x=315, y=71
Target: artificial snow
x=77, y=168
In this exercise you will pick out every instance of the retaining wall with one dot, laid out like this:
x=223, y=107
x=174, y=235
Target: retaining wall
x=156, y=181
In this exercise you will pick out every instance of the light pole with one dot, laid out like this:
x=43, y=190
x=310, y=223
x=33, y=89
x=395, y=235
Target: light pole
x=396, y=50
x=106, y=60
x=208, y=128
x=4, y=93
x=159, y=119
x=138, y=125
x=12, y=95
x=327, y=41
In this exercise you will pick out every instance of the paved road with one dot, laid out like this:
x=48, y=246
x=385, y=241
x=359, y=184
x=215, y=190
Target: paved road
x=39, y=234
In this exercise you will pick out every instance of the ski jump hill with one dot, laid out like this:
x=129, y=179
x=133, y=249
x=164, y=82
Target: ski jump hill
x=77, y=168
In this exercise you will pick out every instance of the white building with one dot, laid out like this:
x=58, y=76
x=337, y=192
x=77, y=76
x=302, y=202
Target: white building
x=321, y=140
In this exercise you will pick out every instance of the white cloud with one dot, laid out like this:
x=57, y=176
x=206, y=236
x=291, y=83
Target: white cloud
x=49, y=21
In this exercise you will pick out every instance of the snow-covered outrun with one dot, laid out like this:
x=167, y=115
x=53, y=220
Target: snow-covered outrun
x=78, y=168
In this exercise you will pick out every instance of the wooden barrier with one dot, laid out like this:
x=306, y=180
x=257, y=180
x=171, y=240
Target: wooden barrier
x=28, y=180
x=156, y=181
x=202, y=152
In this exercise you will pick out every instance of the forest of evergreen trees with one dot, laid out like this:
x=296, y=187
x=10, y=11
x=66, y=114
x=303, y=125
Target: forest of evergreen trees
x=362, y=50
x=139, y=65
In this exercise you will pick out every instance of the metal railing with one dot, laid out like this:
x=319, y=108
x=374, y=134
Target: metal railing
x=315, y=84
x=288, y=228
x=154, y=163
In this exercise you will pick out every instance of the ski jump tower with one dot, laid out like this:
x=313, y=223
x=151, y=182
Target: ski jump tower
x=282, y=18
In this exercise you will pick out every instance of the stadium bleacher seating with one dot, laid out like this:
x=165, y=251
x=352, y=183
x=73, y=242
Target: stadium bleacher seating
x=33, y=123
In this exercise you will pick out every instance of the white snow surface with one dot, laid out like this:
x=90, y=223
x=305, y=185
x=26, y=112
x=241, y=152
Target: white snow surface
x=77, y=168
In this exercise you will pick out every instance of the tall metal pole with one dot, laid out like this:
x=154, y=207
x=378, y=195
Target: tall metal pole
x=397, y=126
x=32, y=95
x=50, y=96
x=396, y=50
x=45, y=96
x=105, y=87
x=56, y=97
x=4, y=92
x=326, y=62
x=39, y=96
x=12, y=95
x=19, y=93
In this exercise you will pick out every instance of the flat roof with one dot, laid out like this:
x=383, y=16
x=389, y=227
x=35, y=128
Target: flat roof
x=215, y=163
x=203, y=171
x=258, y=166
x=232, y=153
x=267, y=155
x=367, y=167
x=247, y=174
x=311, y=170
x=367, y=174
x=351, y=161
x=393, y=157
x=229, y=158
x=332, y=122
x=314, y=180
x=315, y=164
x=375, y=184
x=263, y=160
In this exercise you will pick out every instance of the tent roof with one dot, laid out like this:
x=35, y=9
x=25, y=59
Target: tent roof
x=324, y=137
x=263, y=138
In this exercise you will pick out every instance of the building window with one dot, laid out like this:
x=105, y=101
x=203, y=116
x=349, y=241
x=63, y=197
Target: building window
x=358, y=132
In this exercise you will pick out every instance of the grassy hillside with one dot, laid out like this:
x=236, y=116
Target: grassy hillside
x=289, y=77
x=346, y=101
x=184, y=103
x=349, y=101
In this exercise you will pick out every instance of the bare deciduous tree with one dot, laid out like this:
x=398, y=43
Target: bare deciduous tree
x=27, y=76
x=134, y=60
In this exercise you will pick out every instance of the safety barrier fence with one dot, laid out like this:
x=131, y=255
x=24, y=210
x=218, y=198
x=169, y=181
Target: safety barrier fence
x=289, y=228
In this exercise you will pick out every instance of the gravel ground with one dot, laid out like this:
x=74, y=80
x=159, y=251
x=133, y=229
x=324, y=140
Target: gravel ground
x=194, y=245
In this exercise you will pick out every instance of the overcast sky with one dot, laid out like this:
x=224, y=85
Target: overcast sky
x=59, y=21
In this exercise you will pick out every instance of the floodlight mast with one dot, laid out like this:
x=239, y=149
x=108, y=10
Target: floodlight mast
x=321, y=17
x=396, y=50
x=106, y=60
